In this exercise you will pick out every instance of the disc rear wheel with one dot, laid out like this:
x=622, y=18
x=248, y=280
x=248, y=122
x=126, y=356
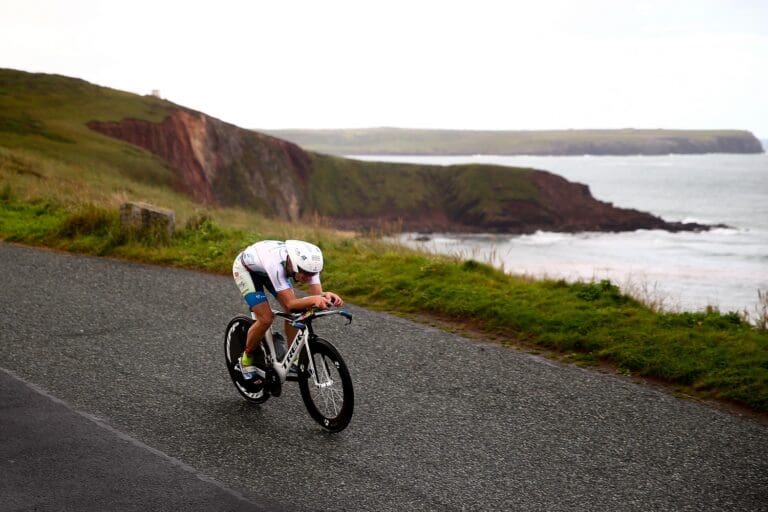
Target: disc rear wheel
x=234, y=344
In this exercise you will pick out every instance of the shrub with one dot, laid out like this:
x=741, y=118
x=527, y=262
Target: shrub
x=6, y=194
x=605, y=289
x=86, y=221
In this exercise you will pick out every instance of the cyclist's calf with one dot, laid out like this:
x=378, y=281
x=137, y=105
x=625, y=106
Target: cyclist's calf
x=264, y=317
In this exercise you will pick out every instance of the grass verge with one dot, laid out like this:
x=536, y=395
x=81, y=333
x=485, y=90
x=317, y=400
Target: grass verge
x=707, y=354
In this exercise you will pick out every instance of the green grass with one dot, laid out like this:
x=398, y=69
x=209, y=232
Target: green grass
x=708, y=354
x=45, y=116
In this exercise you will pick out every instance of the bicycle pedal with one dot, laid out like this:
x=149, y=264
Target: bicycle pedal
x=259, y=372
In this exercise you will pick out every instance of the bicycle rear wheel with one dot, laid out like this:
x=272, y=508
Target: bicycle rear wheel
x=234, y=344
x=331, y=400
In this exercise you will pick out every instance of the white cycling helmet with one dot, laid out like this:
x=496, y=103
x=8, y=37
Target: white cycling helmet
x=305, y=256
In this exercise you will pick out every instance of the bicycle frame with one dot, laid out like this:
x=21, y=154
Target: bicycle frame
x=303, y=323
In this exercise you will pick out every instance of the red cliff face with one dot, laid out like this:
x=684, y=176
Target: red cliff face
x=219, y=163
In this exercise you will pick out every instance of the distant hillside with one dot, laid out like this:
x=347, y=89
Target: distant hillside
x=400, y=141
x=59, y=133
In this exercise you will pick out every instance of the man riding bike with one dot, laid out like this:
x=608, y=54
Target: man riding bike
x=272, y=264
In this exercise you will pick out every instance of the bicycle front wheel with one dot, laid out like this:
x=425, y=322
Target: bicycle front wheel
x=329, y=398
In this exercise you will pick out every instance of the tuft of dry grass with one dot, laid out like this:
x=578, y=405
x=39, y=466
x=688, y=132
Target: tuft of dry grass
x=760, y=317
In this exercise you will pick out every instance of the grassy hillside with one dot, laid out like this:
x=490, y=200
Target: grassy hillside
x=341, y=187
x=60, y=186
x=47, y=114
x=401, y=141
x=50, y=153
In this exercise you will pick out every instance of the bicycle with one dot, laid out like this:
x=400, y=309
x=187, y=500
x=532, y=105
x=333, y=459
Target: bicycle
x=324, y=380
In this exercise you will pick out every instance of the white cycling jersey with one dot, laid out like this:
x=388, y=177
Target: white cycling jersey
x=268, y=257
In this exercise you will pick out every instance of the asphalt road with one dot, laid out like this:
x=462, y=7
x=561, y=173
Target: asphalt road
x=114, y=390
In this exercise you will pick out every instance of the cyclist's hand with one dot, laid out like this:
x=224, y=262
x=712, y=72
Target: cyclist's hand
x=320, y=302
x=335, y=299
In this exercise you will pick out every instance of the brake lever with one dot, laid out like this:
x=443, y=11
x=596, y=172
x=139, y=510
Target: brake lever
x=346, y=314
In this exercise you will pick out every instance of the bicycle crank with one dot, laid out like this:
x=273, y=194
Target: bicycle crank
x=272, y=381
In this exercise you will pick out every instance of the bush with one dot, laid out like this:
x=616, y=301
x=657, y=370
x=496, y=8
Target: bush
x=6, y=194
x=592, y=292
x=89, y=220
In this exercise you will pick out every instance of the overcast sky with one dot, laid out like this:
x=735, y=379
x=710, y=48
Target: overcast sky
x=476, y=64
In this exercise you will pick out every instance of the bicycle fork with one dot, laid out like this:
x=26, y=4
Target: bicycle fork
x=302, y=341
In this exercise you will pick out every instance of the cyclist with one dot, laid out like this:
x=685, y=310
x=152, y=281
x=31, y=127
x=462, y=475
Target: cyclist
x=272, y=264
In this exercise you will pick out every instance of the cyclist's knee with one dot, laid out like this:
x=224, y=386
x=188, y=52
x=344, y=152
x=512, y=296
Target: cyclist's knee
x=264, y=315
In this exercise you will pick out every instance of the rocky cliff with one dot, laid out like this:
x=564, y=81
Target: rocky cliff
x=218, y=163
x=221, y=164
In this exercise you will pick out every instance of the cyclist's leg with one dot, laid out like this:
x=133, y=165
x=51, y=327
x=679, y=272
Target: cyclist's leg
x=252, y=289
x=253, y=359
x=262, y=310
x=263, y=313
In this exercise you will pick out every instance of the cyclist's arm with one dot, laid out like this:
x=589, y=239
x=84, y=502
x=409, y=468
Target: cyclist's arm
x=290, y=302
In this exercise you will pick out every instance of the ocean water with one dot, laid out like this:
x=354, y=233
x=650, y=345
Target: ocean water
x=722, y=267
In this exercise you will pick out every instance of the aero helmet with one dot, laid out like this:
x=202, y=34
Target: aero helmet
x=305, y=256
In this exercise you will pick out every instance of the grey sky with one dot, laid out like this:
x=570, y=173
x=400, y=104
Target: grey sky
x=475, y=64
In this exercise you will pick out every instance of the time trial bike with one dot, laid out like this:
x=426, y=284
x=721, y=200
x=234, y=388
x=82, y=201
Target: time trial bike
x=324, y=380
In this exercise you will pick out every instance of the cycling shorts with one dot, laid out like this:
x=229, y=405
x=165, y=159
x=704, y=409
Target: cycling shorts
x=251, y=284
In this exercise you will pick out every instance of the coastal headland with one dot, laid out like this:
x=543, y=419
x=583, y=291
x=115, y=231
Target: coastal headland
x=407, y=141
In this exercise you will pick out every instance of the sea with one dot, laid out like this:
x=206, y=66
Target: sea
x=723, y=268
